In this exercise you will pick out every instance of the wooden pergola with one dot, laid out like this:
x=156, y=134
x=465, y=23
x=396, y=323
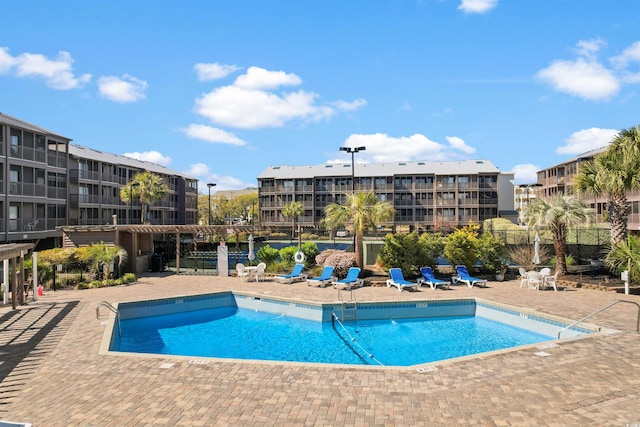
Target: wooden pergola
x=138, y=239
x=15, y=252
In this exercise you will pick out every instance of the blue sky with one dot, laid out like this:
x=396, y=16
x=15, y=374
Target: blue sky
x=220, y=90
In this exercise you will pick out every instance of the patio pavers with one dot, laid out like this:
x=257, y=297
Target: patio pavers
x=53, y=375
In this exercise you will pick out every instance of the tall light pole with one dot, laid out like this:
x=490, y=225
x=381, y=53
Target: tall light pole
x=209, y=217
x=353, y=151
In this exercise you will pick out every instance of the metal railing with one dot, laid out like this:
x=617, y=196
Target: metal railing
x=112, y=309
x=601, y=310
x=351, y=304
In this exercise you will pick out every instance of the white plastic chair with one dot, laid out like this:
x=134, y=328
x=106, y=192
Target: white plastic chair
x=533, y=280
x=523, y=278
x=260, y=268
x=242, y=273
x=551, y=281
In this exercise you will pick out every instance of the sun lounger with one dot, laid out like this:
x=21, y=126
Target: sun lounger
x=296, y=275
x=465, y=277
x=429, y=279
x=324, y=279
x=397, y=280
x=350, y=281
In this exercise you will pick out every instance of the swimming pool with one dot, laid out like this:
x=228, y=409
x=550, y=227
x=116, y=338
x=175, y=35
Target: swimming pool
x=388, y=333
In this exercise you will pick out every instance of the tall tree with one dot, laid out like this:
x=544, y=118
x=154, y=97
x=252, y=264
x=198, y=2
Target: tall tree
x=363, y=211
x=612, y=174
x=293, y=210
x=147, y=187
x=558, y=215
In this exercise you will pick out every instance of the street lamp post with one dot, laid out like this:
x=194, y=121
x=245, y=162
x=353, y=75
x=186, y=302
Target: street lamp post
x=131, y=185
x=209, y=214
x=353, y=151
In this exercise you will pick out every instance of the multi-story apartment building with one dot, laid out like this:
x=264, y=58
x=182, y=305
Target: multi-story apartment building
x=523, y=195
x=33, y=181
x=47, y=182
x=426, y=195
x=558, y=179
x=95, y=179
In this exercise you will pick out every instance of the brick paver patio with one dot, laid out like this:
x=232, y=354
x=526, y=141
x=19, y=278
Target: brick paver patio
x=52, y=374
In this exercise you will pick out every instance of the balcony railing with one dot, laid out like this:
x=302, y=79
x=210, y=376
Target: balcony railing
x=26, y=189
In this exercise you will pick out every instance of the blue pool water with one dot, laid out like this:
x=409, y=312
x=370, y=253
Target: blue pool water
x=231, y=332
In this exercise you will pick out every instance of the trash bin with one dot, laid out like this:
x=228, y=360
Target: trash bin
x=156, y=263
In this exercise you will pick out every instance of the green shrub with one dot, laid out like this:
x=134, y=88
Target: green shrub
x=129, y=278
x=402, y=251
x=432, y=246
x=461, y=246
x=267, y=254
x=310, y=251
x=287, y=254
x=490, y=251
x=83, y=285
x=625, y=256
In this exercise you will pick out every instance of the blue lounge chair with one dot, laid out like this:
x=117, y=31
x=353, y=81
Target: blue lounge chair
x=296, y=275
x=429, y=279
x=397, y=280
x=325, y=277
x=351, y=280
x=465, y=277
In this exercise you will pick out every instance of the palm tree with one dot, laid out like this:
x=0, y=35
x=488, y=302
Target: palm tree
x=558, y=215
x=362, y=210
x=612, y=174
x=146, y=187
x=293, y=210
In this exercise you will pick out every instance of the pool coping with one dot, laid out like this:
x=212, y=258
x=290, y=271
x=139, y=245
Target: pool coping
x=596, y=330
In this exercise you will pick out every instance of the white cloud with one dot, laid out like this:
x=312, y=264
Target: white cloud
x=587, y=139
x=589, y=48
x=259, y=78
x=630, y=54
x=383, y=148
x=525, y=173
x=58, y=72
x=211, y=134
x=125, y=89
x=586, y=77
x=208, y=72
x=150, y=156
x=6, y=60
x=581, y=78
x=252, y=109
x=477, y=6
x=349, y=106
x=459, y=144
x=223, y=182
x=251, y=104
x=198, y=170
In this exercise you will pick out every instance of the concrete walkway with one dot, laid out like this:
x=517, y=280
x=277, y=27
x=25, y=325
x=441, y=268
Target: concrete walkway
x=52, y=374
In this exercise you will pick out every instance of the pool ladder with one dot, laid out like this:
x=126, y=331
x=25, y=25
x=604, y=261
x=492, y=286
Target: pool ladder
x=349, y=307
x=112, y=309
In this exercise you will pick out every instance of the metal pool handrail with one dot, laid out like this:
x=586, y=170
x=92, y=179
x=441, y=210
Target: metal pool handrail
x=114, y=310
x=601, y=310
